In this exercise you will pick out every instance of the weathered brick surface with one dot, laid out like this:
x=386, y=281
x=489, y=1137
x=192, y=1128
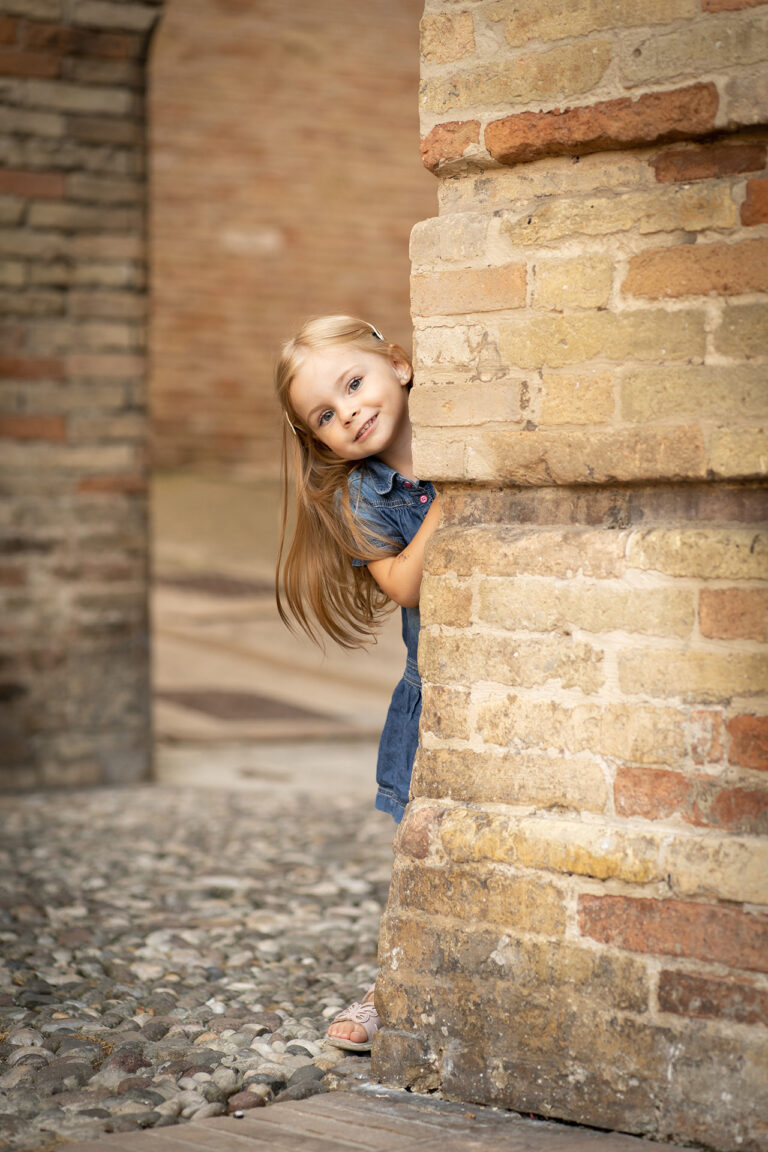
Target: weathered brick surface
x=73, y=403
x=594, y=609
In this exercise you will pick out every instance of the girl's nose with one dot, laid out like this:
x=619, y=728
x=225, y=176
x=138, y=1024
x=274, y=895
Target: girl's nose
x=350, y=413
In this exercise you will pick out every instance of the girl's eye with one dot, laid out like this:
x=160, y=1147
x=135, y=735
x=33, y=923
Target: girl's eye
x=325, y=417
x=355, y=383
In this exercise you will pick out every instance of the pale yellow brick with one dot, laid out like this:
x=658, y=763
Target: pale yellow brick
x=445, y=601
x=559, y=340
x=445, y=712
x=543, y=606
x=446, y=37
x=597, y=456
x=577, y=398
x=526, y=20
x=710, y=677
x=737, y=394
x=474, y=402
x=637, y=733
x=81, y=458
x=719, y=867
x=699, y=47
x=564, y=71
x=441, y=458
x=743, y=331
x=503, y=550
x=509, y=660
x=58, y=96
x=693, y=207
x=739, y=452
x=101, y=13
x=705, y=553
x=447, y=344
x=580, y=282
x=575, y=782
x=505, y=188
x=596, y=850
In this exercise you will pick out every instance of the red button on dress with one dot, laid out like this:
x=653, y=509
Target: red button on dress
x=423, y=499
x=407, y=484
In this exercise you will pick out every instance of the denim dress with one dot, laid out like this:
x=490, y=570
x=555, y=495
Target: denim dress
x=395, y=508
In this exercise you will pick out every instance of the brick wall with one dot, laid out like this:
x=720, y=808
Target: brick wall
x=285, y=182
x=579, y=915
x=73, y=531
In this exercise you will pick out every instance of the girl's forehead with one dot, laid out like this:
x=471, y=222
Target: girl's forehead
x=325, y=367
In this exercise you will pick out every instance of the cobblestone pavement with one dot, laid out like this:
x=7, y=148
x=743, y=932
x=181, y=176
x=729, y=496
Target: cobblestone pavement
x=176, y=954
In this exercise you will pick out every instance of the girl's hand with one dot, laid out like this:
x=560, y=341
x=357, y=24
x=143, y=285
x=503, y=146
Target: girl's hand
x=400, y=576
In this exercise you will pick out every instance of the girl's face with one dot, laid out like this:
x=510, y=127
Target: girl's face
x=354, y=402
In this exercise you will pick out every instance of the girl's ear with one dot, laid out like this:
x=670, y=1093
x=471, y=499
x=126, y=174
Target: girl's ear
x=401, y=366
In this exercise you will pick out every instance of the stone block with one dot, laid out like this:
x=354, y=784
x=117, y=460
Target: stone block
x=474, y=290
x=545, y=606
x=60, y=96
x=697, y=48
x=446, y=37
x=528, y=903
x=721, y=868
x=710, y=932
x=734, y=613
x=715, y=553
x=445, y=601
x=707, y=676
x=699, y=270
x=557, y=73
x=510, y=660
x=533, y=341
x=444, y=710
x=659, y=209
x=742, y=452
x=652, y=118
x=530, y=20
x=582, y=281
x=689, y=390
x=577, y=398
x=435, y=403
x=67, y=216
x=506, y=550
x=542, y=780
x=576, y=456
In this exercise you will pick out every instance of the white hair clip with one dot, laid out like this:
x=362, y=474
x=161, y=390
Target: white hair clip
x=376, y=333
x=290, y=425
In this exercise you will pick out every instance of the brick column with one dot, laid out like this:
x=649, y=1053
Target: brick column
x=73, y=534
x=578, y=922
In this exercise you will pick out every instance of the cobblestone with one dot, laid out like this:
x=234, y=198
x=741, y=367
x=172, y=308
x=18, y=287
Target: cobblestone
x=171, y=954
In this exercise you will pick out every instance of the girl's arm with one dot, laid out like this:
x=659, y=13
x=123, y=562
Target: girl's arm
x=400, y=576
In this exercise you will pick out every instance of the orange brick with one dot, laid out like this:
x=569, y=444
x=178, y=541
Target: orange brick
x=712, y=998
x=448, y=142
x=699, y=800
x=622, y=123
x=708, y=162
x=754, y=210
x=729, y=5
x=31, y=368
x=734, y=613
x=37, y=185
x=121, y=482
x=749, y=741
x=475, y=290
x=21, y=427
x=698, y=269
x=719, y=935
x=28, y=64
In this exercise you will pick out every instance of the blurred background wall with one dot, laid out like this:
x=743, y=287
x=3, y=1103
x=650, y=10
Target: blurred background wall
x=285, y=180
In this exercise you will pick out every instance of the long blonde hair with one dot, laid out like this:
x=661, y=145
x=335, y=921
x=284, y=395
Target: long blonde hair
x=321, y=588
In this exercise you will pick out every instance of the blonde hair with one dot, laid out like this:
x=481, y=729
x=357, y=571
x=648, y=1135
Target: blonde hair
x=321, y=588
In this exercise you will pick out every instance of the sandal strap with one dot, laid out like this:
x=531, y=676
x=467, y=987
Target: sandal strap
x=363, y=1014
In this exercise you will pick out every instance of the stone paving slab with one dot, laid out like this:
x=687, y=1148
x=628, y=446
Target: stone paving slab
x=374, y=1121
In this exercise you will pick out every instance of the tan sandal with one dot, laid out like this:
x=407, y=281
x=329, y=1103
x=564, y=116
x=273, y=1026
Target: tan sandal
x=366, y=1016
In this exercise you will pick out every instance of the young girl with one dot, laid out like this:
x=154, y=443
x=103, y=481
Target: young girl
x=362, y=522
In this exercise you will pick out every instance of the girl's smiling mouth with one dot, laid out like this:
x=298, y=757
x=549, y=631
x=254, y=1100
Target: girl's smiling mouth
x=366, y=428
